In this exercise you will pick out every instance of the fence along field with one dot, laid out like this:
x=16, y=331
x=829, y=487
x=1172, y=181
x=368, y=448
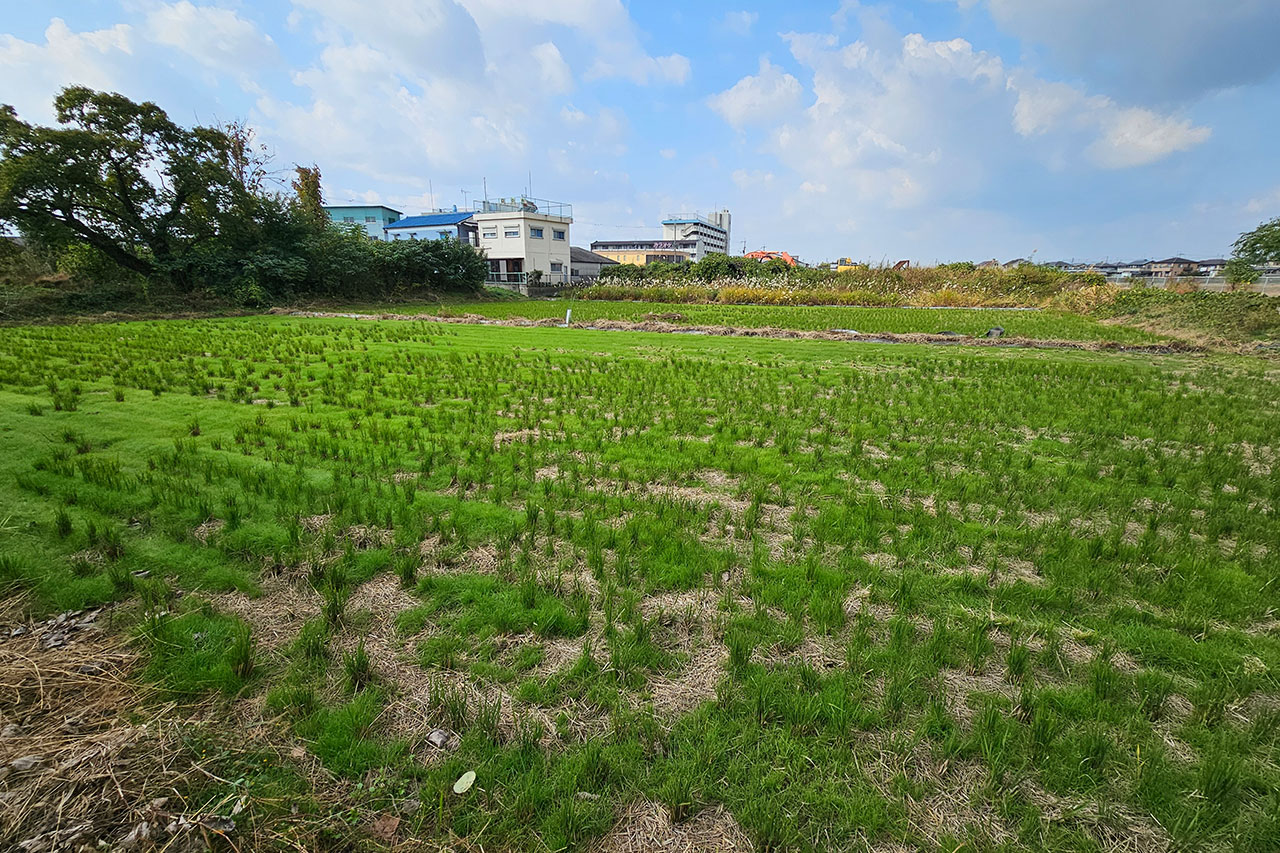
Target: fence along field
x=649, y=589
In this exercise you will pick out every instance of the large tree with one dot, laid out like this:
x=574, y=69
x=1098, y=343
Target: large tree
x=120, y=177
x=1261, y=245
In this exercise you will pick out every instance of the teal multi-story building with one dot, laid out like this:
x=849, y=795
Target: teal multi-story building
x=371, y=217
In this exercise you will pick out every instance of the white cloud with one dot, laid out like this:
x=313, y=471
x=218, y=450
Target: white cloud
x=217, y=38
x=900, y=141
x=605, y=25
x=1124, y=136
x=759, y=98
x=740, y=23
x=1165, y=49
x=754, y=179
x=35, y=72
x=556, y=77
x=1267, y=203
x=452, y=90
x=1137, y=137
x=909, y=122
x=667, y=153
x=572, y=115
x=416, y=36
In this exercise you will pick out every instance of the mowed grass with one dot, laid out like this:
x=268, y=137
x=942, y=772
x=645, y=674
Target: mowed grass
x=854, y=596
x=1053, y=325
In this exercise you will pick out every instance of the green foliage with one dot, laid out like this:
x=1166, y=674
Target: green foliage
x=125, y=198
x=1240, y=271
x=310, y=197
x=1237, y=316
x=1261, y=245
x=736, y=280
x=120, y=177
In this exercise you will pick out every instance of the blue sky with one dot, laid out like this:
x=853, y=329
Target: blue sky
x=933, y=130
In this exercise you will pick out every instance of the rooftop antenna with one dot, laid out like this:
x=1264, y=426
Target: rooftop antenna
x=431, y=191
x=486, y=191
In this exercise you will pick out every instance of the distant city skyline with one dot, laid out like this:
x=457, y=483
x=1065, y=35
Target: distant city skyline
x=935, y=130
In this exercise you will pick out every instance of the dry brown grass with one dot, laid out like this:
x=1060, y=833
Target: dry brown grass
x=646, y=827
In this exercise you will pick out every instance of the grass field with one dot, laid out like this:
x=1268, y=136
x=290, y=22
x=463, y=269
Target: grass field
x=649, y=589
x=966, y=321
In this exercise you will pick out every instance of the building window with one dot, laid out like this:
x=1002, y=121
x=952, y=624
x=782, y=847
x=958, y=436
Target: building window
x=511, y=232
x=535, y=233
x=557, y=234
x=491, y=235
x=444, y=235
x=556, y=267
x=348, y=219
x=371, y=219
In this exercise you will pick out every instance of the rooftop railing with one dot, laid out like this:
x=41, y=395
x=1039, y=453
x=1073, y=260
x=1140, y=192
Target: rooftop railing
x=524, y=204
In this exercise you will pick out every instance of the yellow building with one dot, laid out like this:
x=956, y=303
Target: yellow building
x=641, y=252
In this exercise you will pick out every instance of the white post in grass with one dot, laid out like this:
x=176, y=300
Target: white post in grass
x=568, y=312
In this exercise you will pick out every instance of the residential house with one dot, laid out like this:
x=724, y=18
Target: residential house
x=1172, y=267
x=441, y=225
x=585, y=265
x=525, y=239
x=1211, y=267
x=1134, y=269
x=371, y=217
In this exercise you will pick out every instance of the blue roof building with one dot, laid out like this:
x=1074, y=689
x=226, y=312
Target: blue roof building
x=456, y=225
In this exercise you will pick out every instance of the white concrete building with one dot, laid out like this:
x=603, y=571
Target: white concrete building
x=521, y=235
x=707, y=234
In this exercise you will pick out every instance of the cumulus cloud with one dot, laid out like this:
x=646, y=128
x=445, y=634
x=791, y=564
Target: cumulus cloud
x=34, y=72
x=913, y=121
x=449, y=90
x=604, y=25
x=1122, y=136
x=1143, y=49
x=217, y=38
x=758, y=98
x=417, y=37
x=901, y=140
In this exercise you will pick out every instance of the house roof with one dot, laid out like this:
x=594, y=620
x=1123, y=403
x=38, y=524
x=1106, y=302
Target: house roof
x=359, y=207
x=429, y=220
x=1174, y=261
x=1214, y=262
x=579, y=255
